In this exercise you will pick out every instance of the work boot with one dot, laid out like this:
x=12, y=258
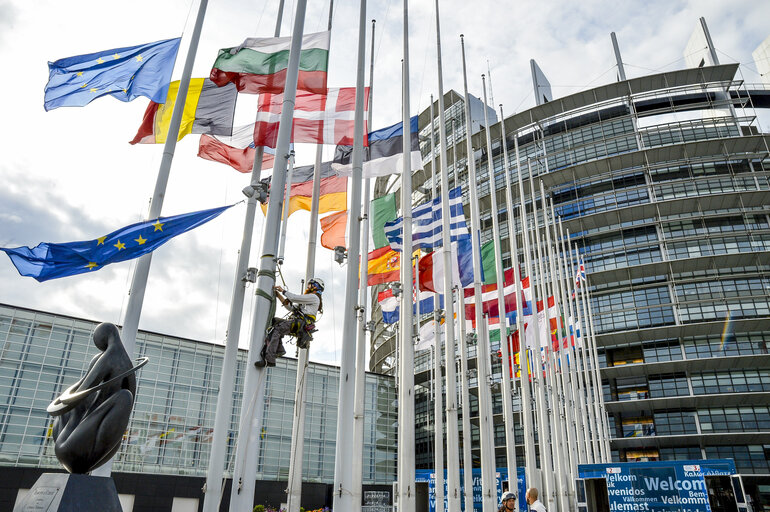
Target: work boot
x=262, y=363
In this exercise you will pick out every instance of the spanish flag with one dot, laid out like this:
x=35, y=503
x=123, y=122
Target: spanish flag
x=384, y=266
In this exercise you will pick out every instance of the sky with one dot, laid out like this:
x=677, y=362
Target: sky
x=70, y=174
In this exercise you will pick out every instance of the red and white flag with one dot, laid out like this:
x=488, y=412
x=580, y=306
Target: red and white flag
x=318, y=118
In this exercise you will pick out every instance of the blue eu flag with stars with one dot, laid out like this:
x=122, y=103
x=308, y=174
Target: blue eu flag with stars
x=49, y=261
x=124, y=73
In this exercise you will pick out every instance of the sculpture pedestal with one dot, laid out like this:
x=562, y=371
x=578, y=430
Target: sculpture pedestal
x=64, y=492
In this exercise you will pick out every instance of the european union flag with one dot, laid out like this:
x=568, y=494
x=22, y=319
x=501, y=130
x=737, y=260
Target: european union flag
x=49, y=261
x=124, y=73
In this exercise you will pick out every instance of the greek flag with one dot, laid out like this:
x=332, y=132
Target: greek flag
x=426, y=224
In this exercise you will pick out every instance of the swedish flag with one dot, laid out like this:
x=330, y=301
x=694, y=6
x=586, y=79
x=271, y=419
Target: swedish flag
x=124, y=73
x=49, y=261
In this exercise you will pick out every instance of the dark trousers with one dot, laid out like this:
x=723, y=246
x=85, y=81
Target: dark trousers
x=274, y=342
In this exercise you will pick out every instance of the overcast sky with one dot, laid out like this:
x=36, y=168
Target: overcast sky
x=70, y=174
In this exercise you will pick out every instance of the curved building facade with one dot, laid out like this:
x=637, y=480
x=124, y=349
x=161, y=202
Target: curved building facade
x=662, y=181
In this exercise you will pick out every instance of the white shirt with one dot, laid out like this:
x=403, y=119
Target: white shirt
x=537, y=506
x=308, y=302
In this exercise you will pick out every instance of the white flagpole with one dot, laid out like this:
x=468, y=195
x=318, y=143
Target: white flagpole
x=592, y=451
x=343, y=469
x=530, y=463
x=296, y=461
x=575, y=357
x=590, y=367
x=452, y=433
x=142, y=269
x=507, y=363
x=405, y=455
x=438, y=423
x=604, y=445
x=459, y=295
x=565, y=411
x=363, y=301
x=214, y=477
x=535, y=356
x=577, y=449
x=285, y=215
x=465, y=396
x=252, y=407
x=552, y=396
x=486, y=432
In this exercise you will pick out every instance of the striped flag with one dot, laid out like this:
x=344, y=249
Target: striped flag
x=426, y=224
x=390, y=308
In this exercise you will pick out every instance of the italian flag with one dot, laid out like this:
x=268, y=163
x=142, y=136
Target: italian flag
x=259, y=64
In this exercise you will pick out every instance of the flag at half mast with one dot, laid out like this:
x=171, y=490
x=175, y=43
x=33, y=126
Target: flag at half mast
x=51, y=260
x=426, y=224
x=259, y=64
x=123, y=73
x=207, y=109
x=383, y=156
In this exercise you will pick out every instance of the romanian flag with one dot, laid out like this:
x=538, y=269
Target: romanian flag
x=333, y=194
x=208, y=109
x=259, y=64
x=384, y=266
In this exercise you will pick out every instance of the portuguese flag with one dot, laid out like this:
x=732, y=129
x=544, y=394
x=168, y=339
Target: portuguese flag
x=259, y=64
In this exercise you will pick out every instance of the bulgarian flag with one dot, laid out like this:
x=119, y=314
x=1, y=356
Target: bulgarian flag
x=259, y=64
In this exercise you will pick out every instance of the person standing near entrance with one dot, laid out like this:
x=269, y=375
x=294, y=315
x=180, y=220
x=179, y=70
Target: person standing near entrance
x=507, y=502
x=533, y=502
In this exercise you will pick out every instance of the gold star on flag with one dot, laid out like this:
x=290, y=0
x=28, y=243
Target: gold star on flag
x=91, y=265
x=125, y=91
x=99, y=61
x=84, y=86
x=120, y=245
x=139, y=58
x=140, y=240
x=79, y=73
x=100, y=240
x=158, y=226
x=93, y=89
x=116, y=56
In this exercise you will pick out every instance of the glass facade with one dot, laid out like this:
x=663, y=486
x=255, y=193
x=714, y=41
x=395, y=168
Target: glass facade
x=665, y=191
x=173, y=417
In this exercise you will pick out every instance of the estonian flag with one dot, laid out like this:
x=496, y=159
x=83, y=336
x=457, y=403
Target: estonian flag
x=383, y=156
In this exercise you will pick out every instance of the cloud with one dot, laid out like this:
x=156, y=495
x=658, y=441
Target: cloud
x=70, y=174
x=9, y=14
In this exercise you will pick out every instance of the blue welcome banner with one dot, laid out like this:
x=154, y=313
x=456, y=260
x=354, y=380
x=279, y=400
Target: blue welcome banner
x=429, y=476
x=659, y=486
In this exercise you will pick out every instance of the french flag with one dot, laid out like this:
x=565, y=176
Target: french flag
x=432, y=271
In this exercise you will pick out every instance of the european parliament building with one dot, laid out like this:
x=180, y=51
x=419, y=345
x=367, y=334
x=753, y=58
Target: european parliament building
x=662, y=181
x=164, y=457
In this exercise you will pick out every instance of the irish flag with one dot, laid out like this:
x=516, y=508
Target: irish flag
x=259, y=64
